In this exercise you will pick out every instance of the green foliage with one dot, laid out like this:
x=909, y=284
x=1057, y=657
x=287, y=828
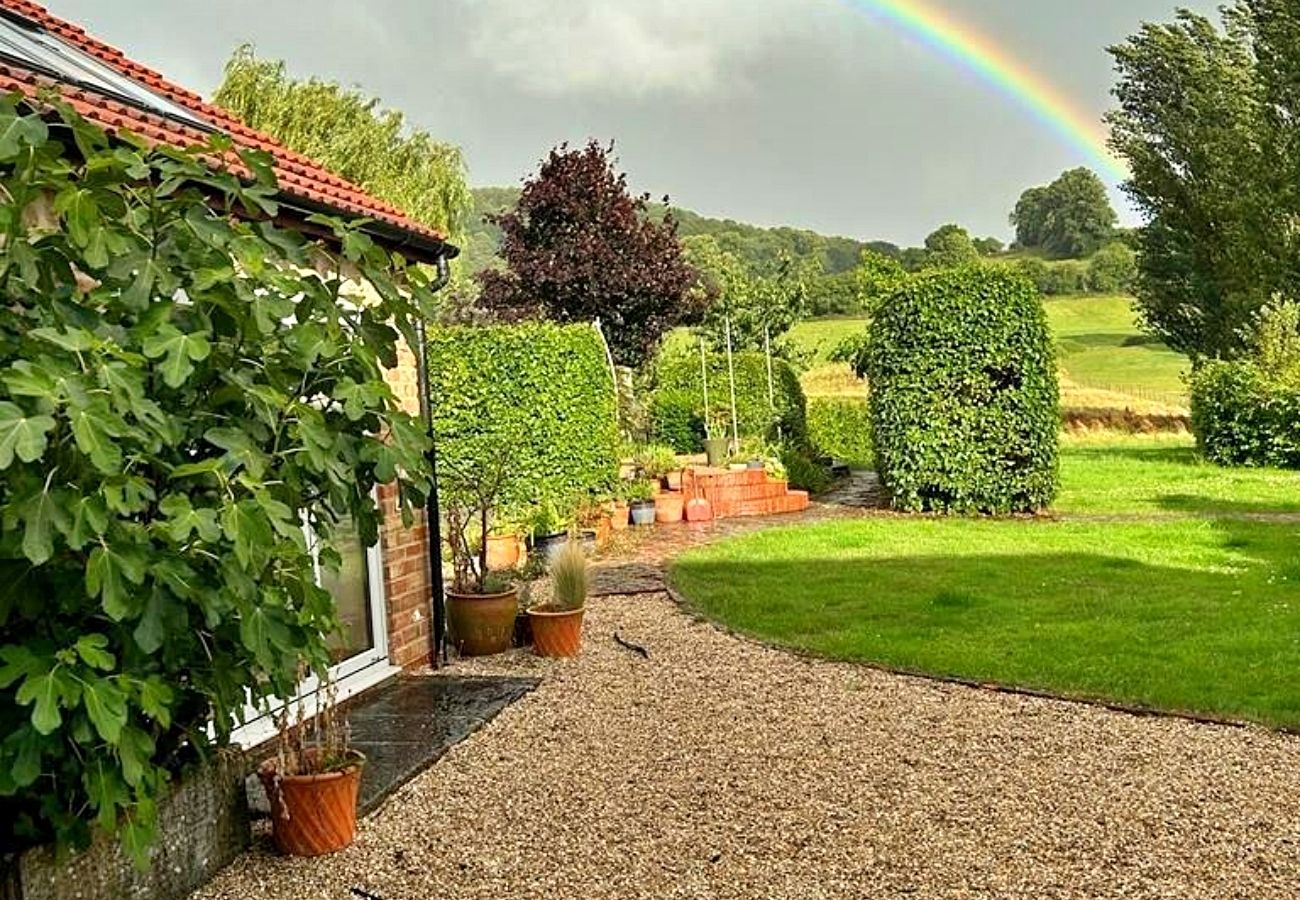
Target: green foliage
x=1069, y=218
x=182, y=383
x=964, y=400
x=1206, y=120
x=950, y=245
x=803, y=472
x=654, y=461
x=1113, y=269
x=538, y=393
x=679, y=397
x=840, y=427
x=352, y=135
x=1246, y=412
x=758, y=305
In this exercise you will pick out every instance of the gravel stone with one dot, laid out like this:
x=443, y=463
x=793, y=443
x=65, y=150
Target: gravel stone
x=724, y=769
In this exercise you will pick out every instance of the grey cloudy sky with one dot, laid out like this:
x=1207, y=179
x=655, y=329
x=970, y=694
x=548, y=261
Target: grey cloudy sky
x=799, y=112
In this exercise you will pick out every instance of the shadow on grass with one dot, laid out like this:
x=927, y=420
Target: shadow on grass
x=1191, y=640
x=1187, y=456
x=1217, y=510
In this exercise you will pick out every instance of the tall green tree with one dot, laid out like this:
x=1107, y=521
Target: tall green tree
x=1206, y=120
x=760, y=306
x=354, y=136
x=1070, y=218
x=950, y=246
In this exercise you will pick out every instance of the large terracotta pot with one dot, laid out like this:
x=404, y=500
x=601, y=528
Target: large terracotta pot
x=312, y=815
x=668, y=507
x=619, y=517
x=505, y=551
x=481, y=624
x=557, y=633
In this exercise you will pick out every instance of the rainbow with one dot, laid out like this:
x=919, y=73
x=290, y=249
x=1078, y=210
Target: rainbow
x=976, y=53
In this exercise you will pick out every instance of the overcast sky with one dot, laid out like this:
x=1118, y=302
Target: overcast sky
x=798, y=112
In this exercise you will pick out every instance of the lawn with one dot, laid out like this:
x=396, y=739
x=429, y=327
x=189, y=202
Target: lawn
x=1157, y=583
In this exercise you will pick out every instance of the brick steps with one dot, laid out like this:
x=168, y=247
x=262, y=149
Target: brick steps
x=747, y=493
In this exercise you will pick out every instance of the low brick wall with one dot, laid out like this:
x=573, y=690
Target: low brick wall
x=203, y=825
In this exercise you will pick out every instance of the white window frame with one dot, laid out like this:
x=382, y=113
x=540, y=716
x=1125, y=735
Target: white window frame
x=351, y=676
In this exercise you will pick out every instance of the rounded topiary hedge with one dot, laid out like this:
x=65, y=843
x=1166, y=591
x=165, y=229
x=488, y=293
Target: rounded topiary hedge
x=965, y=406
x=677, y=405
x=541, y=391
x=1242, y=417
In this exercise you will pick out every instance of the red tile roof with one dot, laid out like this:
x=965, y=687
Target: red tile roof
x=298, y=175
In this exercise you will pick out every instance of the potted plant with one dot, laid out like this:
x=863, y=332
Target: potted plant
x=506, y=550
x=659, y=463
x=550, y=530
x=481, y=606
x=313, y=780
x=642, y=505
x=716, y=441
x=620, y=507
x=557, y=624
x=592, y=517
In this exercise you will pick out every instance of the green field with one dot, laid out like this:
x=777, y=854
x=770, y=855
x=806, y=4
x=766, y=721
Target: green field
x=1159, y=582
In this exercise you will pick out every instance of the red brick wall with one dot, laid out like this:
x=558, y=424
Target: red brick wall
x=405, y=551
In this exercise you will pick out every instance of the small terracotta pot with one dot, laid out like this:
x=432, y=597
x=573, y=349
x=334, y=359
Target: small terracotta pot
x=557, y=633
x=668, y=507
x=312, y=815
x=619, y=517
x=673, y=480
x=604, y=529
x=481, y=624
x=505, y=551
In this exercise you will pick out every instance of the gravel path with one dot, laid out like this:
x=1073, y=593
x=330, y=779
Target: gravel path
x=719, y=768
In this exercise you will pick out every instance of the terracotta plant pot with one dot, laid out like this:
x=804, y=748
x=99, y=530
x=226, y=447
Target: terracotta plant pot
x=619, y=517
x=312, y=815
x=557, y=633
x=673, y=480
x=505, y=551
x=481, y=624
x=668, y=507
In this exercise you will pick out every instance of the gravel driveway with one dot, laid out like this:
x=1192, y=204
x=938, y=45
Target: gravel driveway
x=719, y=768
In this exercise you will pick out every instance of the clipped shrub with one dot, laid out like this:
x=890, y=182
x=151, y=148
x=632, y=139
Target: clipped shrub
x=679, y=400
x=841, y=427
x=542, y=393
x=965, y=407
x=802, y=472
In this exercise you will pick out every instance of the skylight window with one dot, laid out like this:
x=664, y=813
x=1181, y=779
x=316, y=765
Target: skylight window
x=44, y=52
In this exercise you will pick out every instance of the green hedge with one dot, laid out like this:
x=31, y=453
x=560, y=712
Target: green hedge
x=542, y=390
x=965, y=406
x=1243, y=418
x=677, y=405
x=841, y=427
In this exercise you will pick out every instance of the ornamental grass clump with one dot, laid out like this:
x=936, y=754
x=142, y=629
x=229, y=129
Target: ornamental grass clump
x=569, y=578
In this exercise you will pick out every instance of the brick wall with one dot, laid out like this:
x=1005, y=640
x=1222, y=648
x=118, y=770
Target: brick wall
x=405, y=550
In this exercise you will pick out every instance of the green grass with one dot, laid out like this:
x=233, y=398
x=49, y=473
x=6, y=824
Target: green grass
x=821, y=336
x=1160, y=583
x=1100, y=346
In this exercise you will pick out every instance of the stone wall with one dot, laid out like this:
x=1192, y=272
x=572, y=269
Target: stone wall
x=202, y=826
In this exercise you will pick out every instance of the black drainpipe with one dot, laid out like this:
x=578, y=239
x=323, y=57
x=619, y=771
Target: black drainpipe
x=432, y=514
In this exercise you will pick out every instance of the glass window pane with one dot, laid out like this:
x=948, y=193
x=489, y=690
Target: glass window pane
x=351, y=589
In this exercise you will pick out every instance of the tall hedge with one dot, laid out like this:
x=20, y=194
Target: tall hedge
x=677, y=405
x=540, y=392
x=965, y=406
x=1243, y=417
x=841, y=427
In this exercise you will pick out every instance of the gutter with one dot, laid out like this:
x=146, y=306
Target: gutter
x=432, y=513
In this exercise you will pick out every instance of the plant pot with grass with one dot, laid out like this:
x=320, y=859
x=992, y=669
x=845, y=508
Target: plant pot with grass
x=550, y=530
x=641, y=504
x=657, y=463
x=716, y=443
x=557, y=623
x=313, y=780
x=481, y=605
